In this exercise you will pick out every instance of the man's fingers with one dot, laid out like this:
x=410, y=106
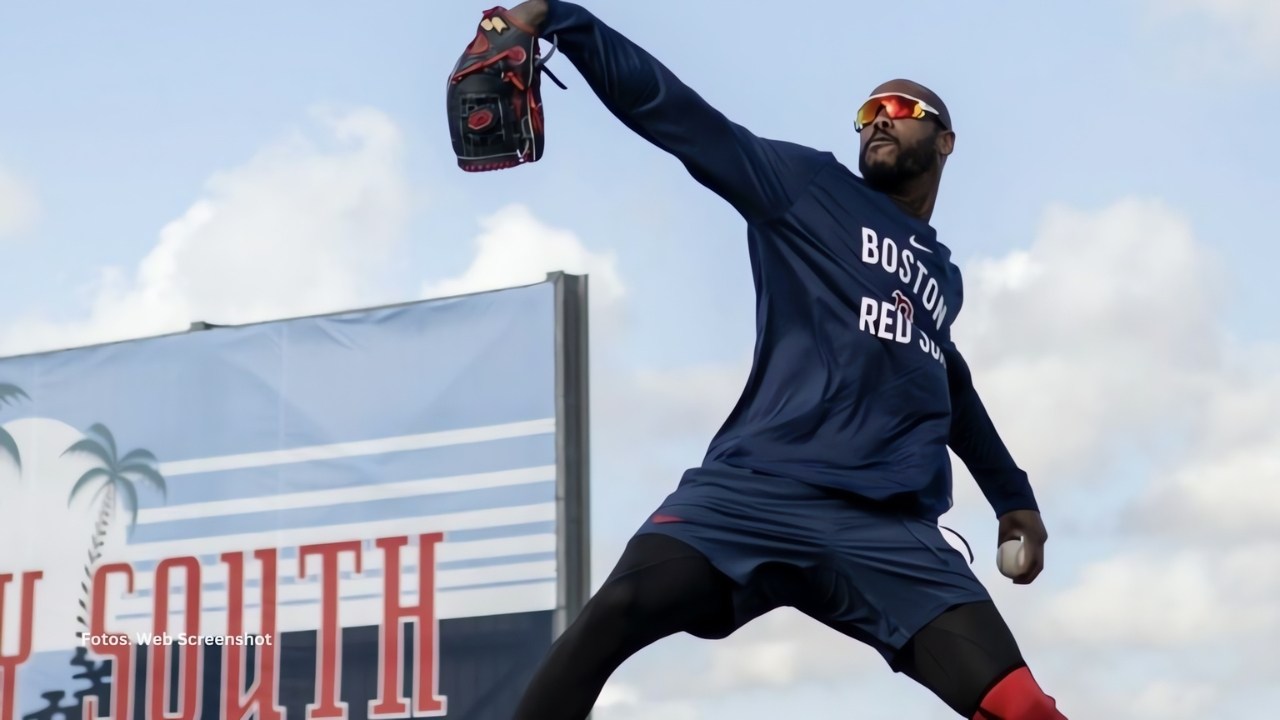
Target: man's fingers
x=1035, y=563
x=1025, y=526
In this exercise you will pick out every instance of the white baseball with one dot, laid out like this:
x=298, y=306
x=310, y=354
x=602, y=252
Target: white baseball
x=1011, y=558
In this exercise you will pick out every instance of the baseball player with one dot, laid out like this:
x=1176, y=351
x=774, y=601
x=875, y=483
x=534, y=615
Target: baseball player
x=823, y=489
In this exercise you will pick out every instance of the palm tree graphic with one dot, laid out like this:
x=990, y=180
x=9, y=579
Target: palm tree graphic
x=7, y=444
x=113, y=475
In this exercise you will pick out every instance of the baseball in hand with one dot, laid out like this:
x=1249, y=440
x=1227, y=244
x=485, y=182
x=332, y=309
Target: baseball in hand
x=1011, y=558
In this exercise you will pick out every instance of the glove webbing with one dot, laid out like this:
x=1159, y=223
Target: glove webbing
x=518, y=56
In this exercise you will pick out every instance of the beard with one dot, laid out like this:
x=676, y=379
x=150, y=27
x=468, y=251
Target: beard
x=910, y=163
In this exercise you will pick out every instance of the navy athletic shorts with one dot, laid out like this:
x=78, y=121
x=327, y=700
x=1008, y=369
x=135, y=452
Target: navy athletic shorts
x=874, y=573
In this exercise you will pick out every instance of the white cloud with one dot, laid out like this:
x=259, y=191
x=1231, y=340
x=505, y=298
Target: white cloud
x=516, y=248
x=1234, y=495
x=19, y=206
x=1089, y=694
x=780, y=651
x=1163, y=700
x=311, y=224
x=1093, y=340
x=1101, y=344
x=1226, y=486
x=1100, y=352
x=684, y=404
x=1224, y=34
x=1162, y=600
x=1254, y=22
x=787, y=648
x=649, y=711
x=774, y=661
x=1130, y=277
x=617, y=694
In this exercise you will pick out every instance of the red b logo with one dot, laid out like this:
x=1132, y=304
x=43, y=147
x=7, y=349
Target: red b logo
x=903, y=304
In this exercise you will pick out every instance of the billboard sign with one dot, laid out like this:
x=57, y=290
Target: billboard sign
x=372, y=514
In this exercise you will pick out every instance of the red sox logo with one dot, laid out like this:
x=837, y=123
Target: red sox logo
x=903, y=305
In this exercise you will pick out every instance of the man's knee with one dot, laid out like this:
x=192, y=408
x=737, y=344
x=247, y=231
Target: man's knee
x=1017, y=696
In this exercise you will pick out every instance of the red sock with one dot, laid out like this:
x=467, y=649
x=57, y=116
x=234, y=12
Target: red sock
x=1018, y=697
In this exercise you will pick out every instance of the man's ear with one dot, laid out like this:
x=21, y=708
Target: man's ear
x=945, y=142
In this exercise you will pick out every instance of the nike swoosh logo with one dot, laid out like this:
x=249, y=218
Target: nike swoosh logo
x=917, y=245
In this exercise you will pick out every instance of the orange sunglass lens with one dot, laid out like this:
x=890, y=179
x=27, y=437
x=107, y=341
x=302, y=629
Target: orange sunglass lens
x=895, y=106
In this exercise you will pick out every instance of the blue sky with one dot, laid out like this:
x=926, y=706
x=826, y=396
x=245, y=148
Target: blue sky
x=1109, y=203
x=119, y=115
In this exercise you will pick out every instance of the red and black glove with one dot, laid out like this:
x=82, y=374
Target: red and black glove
x=494, y=98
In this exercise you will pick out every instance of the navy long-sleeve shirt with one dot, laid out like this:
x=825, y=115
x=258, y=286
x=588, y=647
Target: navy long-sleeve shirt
x=855, y=384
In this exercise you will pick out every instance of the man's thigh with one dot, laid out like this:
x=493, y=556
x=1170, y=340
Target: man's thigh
x=663, y=582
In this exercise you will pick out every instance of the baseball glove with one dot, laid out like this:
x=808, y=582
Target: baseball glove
x=494, y=96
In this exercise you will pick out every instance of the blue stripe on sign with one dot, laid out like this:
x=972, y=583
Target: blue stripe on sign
x=360, y=512
x=501, y=531
x=489, y=533
x=491, y=561
x=359, y=471
x=364, y=596
x=180, y=589
x=150, y=565
x=505, y=583
x=376, y=573
x=412, y=592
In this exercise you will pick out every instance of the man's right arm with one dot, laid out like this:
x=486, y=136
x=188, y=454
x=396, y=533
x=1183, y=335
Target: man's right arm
x=760, y=178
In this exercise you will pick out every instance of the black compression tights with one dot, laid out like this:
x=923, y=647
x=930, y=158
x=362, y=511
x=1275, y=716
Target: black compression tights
x=961, y=655
x=662, y=586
